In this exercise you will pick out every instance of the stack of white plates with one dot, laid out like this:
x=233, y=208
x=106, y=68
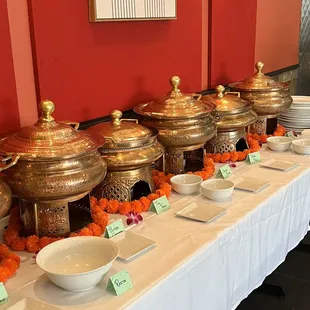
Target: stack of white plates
x=297, y=117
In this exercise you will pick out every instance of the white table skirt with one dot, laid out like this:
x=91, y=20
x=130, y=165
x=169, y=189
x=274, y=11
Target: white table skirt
x=195, y=265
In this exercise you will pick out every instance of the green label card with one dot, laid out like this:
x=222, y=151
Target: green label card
x=160, y=205
x=3, y=294
x=114, y=229
x=253, y=158
x=290, y=134
x=224, y=172
x=120, y=283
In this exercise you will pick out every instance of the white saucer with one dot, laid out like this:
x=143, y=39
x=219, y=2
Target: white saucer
x=131, y=245
x=204, y=214
x=279, y=165
x=250, y=184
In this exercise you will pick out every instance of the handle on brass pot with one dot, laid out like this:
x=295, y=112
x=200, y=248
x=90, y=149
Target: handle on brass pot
x=116, y=116
x=220, y=89
x=217, y=117
x=233, y=93
x=110, y=139
x=130, y=120
x=198, y=96
x=75, y=124
x=14, y=159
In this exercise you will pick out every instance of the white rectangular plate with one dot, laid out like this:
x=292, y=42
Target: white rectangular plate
x=250, y=184
x=131, y=245
x=31, y=304
x=279, y=165
x=203, y=214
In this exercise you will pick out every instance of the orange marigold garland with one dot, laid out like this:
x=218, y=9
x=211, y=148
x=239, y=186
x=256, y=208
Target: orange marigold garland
x=9, y=263
x=254, y=142
x=163, y=188
x=280, y=131
x=33, y=244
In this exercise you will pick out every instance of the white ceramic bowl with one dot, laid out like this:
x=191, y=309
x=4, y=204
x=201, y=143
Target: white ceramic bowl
x=302, y=146
x=186, y=184
x=218, y=190
x=279, y=144
x=79, y=263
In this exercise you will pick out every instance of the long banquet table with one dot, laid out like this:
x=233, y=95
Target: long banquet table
x=195, y=265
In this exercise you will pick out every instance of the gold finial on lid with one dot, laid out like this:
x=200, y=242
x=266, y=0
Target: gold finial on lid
x=175, y=82
x=46, y=107
x=220, y=91
x=116, y=117
x=259, y=67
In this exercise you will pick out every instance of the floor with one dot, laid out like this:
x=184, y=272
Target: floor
x=294, y=277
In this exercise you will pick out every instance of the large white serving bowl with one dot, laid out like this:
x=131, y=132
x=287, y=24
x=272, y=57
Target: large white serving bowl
x=186, y=184
x=77, y=264
x=279, y=144
x=301, y=146
x=218, y=190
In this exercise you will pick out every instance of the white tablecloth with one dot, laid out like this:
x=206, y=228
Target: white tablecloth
x=195, y=265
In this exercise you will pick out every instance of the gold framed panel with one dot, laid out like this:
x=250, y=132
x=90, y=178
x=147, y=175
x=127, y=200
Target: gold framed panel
x=94, y=18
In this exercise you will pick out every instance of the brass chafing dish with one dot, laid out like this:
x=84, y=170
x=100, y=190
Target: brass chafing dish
x=269, y=98
x=129, y=151
x=5, y=191
x=57, y=168
x=184, y=123
x=233, y=116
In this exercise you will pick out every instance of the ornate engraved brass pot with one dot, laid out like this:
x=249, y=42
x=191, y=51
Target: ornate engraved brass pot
x=5, y=191
x=58, y=165
x=269, y=98
x=233, y=116
x=129, y=151
x=184, y=123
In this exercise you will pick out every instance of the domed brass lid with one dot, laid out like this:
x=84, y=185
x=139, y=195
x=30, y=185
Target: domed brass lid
x=49, y=139
x=175, y=104
x=122, y=132
x=227, y=103
x=258, y=82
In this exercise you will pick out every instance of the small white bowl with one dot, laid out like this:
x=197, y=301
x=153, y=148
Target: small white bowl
x=279, y=144
x=77, y=264
x=302, y=146
x=186, y=184
x=218, y=190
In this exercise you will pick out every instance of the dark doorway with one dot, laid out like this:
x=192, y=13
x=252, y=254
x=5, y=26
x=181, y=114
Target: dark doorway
x=193, y=160
x=140, y=189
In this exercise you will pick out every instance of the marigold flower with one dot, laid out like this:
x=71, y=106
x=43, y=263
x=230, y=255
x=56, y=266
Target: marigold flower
x=5, y=273
x=32, y=244
x=152, y=196
x=44, y=241
x=95, y=229
x=93, y=200
x=124, y=207
x=145, y=202
x=85, y=232
x=11, y=264
x=112, y=206
x=103, y=203
x=136, y=206
x=96, y=209
x=160, y=192
x=19, y=244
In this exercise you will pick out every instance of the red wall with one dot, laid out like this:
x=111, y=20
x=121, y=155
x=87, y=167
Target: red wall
x=233, y=28
x=9, y=115
x=90, y=69
x=277, y=33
